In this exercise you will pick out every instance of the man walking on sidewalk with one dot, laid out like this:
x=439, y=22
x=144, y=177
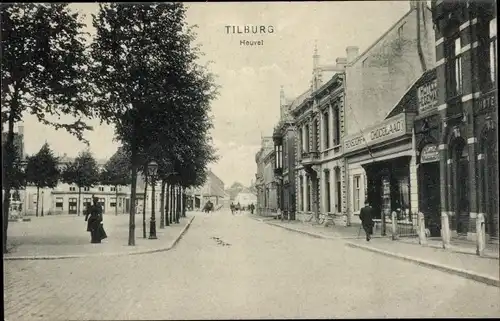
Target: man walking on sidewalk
x=366, y=217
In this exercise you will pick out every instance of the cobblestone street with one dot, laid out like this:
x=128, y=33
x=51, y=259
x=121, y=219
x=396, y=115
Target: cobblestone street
x=235, y=267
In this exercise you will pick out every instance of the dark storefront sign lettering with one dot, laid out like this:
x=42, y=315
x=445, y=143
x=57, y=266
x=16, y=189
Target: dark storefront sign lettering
x=486, y=102
x=429, y=154
x=388, y=129
x=427, y=96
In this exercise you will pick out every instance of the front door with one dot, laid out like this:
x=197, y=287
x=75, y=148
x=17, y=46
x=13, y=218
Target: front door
x=430, y=199
x=72, y=206
x=461, y=159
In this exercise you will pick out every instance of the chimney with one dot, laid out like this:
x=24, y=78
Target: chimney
x=341, y=62
x=352, y=53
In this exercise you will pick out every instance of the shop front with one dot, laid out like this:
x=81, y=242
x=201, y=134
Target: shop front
x=427, y=129
x=385, y=154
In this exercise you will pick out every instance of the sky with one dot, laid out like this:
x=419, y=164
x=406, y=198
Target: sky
x=250, y=77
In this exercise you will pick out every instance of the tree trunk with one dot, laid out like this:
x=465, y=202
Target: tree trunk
x=144, y=203
x=171, y=204
x=178, y=207
x=9, y=165
x=37, y=199
x=79, y=200
x=162, y=204
x=183, y=213
x=167, y=206
x=116, y=200
x=133, y=196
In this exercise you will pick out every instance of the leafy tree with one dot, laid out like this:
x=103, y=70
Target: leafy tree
x=83, y=172
x=42, y=171
x=43, y=71
x=149, y=84
x=116, y=172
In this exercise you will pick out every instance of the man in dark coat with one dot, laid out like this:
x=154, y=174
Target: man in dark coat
x=366, y=217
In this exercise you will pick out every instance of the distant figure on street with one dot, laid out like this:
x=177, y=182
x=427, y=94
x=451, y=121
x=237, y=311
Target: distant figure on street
x=366, y=217
x=93, y=216
x=238, y=207
x=232, y=208
x=209, y=206
x=252, y=208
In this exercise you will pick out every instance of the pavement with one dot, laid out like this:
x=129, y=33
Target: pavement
x=66, y=236
x=461, y=259
x=232, y=267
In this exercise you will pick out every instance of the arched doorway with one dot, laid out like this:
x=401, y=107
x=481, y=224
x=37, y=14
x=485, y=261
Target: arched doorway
x=489, y=169
x=460, y=189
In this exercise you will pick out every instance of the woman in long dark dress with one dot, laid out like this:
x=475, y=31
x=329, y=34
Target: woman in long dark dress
x=94, y=222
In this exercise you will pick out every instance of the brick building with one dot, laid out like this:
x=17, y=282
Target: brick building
x=267, y=198
x=466, y=56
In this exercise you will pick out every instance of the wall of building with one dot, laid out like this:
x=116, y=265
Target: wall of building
x=380, y=76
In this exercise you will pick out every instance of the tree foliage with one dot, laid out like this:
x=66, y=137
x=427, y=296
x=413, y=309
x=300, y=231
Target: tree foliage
x=43, y=73
x=44, y=64
x=149, y=85
x=41, y=169
x=83, y=171
x=117, y=169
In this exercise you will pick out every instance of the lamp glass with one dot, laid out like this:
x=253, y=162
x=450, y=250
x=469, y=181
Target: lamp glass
x=152, y=168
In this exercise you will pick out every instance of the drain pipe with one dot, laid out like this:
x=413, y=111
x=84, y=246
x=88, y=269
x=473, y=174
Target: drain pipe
x=419, y=43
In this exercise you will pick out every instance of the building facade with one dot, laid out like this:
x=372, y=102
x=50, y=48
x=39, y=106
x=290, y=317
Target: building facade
x=466, y=55
x=378, y=147
x=212, y=190
x=285, y=131
x=319, y=120
x=266, y=184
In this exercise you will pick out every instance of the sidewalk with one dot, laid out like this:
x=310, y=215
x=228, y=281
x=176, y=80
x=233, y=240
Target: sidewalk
x=459, y=260
x=66, y=236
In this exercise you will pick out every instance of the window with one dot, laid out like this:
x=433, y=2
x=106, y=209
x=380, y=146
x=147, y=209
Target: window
x=301, y=185
x=306, y=138
x=59, y=203
x=326, y=130
x=112, y=202
x=356, y=192
x=301, y=141
x=327, y=191
x=86, y=189
x=112, y=189
x=338, y=186
x=492, y=51
x=72, y=188
x=309, y=190
x=454, y=67
x=285, y=154
x=336, y=126
x=101, y=189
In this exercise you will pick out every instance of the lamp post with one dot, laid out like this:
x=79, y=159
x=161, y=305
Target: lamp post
x=152, y=170
x=278, y=166
x=42, y=201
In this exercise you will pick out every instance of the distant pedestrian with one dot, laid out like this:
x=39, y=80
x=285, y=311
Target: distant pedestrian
x=366, y=217
x=252, y=208
x=93, y=216
x=232, y=208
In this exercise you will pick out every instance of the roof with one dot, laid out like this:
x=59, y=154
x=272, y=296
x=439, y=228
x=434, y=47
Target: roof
x=383, y=35
x=409, y=100
x=300, y=99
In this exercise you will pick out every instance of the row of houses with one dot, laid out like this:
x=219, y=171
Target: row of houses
x=67, y=199
x=410, y=124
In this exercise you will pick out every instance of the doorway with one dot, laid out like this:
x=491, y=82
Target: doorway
x=430, y=196
x=72, y=205
x=461, y=185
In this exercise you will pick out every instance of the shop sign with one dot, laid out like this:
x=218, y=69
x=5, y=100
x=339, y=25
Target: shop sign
x=427, y=96
x=487, y=101
x=388, y=129
x=429, y=154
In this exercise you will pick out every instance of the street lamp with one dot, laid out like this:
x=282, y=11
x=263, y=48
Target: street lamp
x=278, y=166
x=152, y=170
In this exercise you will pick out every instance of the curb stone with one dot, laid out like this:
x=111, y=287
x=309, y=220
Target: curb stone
x=444, y=268
x=62, y=257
